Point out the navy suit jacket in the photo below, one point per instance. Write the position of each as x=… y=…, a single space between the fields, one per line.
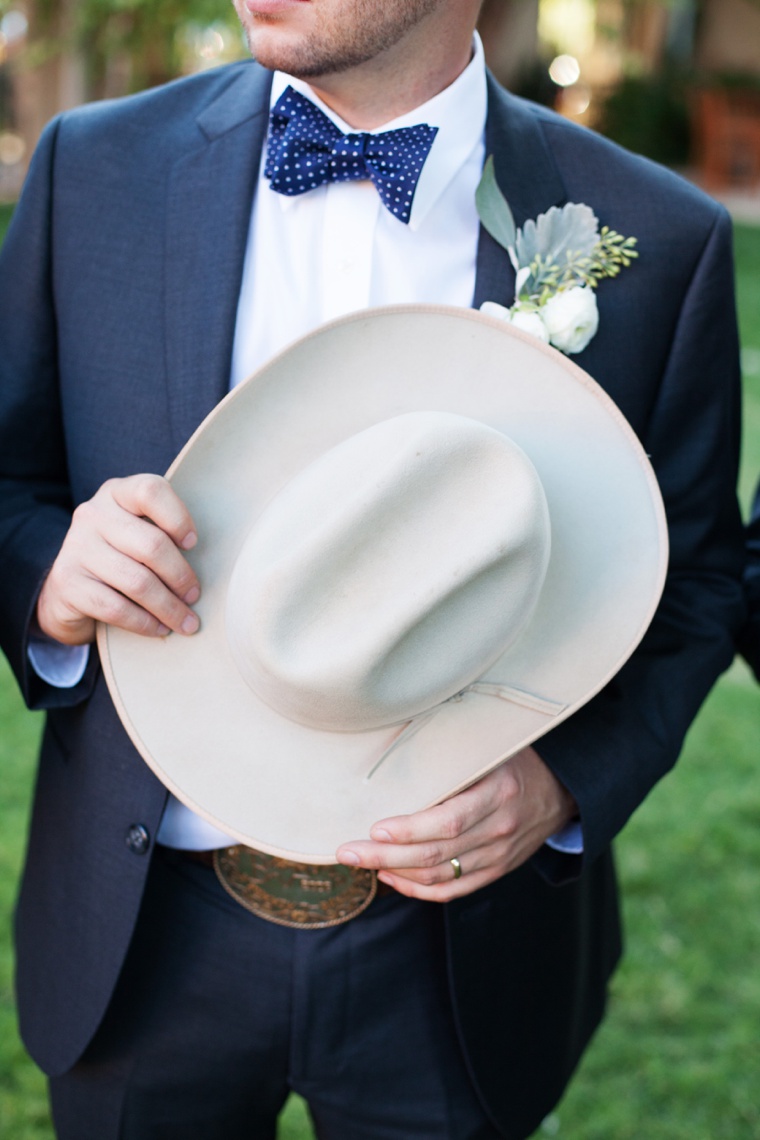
x=119 y=281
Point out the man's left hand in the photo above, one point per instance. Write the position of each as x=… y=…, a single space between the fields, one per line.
x=490 y=828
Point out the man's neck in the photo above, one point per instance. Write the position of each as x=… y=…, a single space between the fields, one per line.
x=364 y=107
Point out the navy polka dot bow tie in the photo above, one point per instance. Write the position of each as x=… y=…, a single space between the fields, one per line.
x=306 y=149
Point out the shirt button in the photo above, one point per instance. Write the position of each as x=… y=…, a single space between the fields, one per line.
x=137 y=838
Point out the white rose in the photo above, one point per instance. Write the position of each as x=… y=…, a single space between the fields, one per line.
x=530 y=323
x=572 y=318
x=526 y=321
x=493 y=309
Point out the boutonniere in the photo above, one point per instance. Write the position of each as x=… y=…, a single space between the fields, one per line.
x=559 y=260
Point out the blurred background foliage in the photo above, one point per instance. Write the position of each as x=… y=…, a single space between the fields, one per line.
x=145 y=41
x=627 y=67
x=650 y=115
x=634 y=69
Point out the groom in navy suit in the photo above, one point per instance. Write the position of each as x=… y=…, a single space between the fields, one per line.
x=149 y=266
x=749 y=641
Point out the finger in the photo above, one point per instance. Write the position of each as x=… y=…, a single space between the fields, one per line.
x=122 y=562
x=153 y=497
x=422 y=856
x=132 y=582
x=113 y=608
x=448 y=820
x=92 y=581
x=444 y=891
x=108 y=527
x=391 y=856
x=423 y=876
x=493 y=855
x=110 y=588
x=147 y=548
x=69 y=615
x=143 y=517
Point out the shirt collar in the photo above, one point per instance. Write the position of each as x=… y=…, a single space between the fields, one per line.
x=459 y=112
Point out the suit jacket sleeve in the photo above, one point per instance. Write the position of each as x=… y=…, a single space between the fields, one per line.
x=35 y=506
x=612 y=751
x=749 y=642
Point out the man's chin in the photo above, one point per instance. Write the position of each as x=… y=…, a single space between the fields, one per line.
x=269 y=49
x=291 y=56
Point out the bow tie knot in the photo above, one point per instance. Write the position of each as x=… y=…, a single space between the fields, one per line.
x=353 y=145
x=306 y=150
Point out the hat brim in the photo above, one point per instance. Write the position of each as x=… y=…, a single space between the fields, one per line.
x=298 y=792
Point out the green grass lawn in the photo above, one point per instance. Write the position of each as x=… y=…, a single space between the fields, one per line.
x=679 y=1055
x=5 y=217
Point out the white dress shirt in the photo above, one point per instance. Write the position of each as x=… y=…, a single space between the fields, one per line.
x=331 y=251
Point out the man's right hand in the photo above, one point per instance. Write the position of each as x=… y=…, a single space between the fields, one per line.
x=122 y=563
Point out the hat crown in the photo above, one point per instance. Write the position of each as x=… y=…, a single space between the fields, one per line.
x=389 y=573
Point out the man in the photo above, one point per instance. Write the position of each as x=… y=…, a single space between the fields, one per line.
x=121 y=279
x=749 y=641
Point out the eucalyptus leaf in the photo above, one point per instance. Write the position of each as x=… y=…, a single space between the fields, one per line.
x=570 y=229
x=493 y=208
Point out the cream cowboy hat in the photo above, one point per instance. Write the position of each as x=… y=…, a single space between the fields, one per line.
x=426 y=539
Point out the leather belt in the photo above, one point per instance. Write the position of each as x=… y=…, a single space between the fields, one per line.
x=305 y=896
x=205 y=858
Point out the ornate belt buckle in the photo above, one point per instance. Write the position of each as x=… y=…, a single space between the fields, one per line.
x=306 y=896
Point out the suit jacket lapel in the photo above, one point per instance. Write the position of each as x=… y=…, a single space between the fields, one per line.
x=528 y=178
x=209 y=208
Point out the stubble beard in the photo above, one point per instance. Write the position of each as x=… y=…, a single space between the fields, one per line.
x=339 y=45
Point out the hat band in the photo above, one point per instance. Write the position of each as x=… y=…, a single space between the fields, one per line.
x=508 y=693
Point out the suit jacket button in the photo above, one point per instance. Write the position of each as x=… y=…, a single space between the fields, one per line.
x=137 y=838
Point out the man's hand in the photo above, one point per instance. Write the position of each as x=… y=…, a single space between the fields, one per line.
x=491 y=828
x=122 y=563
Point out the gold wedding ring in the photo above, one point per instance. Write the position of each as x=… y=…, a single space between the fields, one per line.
x=457 y=867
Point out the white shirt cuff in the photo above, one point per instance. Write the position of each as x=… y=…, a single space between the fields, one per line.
x=182 y=828
x=62 y=666
x=569 y=840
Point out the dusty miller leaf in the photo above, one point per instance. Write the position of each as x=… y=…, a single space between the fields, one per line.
x=571 y=229
x=493 y=208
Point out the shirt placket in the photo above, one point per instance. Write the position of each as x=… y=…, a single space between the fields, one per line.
x=348 y=234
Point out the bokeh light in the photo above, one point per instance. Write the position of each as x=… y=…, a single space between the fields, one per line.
x=565 y=70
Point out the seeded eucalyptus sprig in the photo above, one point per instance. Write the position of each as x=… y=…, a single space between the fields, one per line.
x=613 y=253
